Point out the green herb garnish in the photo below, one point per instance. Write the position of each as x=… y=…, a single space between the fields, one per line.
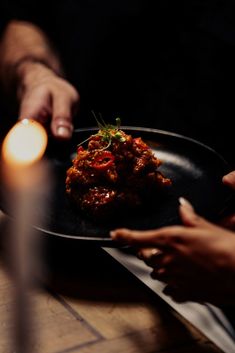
x=107 y=132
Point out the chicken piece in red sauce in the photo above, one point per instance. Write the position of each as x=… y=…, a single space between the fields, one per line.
x=115 y=172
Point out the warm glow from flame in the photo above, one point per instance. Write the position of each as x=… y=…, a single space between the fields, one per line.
x=25 y=143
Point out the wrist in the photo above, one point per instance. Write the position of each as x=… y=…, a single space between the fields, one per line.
x=29 y=71
x=23 y=64
x=20 y=72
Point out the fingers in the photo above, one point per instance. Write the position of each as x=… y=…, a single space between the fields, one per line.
x=229 y=179
x=160 y=238
x=148 y=253
x=63 y=110
x=188 y=216
x=151 y=256
x=35 y=105
x=61 y=123
x=166 y=237
x=163 y=265
x=228 y=222
x=167 y=276
x=50 y=99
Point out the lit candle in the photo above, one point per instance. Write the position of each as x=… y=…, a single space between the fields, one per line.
x=23 y=146
x=26 y=180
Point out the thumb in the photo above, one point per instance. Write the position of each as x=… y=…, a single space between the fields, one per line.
x=229 y=179
x=228 y=222
x=61 y=124
x=188 y=216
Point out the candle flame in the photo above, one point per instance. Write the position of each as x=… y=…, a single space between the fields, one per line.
x=25 y=143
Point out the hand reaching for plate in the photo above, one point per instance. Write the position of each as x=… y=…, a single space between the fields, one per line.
x=46 y=97
x=229 y=221
x=195 y=260
x=229 y=179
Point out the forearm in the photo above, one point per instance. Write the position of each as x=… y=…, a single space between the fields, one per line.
x=30 y=71
x=23 y=45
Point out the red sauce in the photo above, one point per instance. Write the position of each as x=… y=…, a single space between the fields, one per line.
x=110 y=175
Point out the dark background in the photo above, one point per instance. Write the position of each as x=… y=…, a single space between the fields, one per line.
x=163 y=64
x=167 y=65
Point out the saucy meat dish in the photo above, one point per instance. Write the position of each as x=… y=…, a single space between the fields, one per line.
x=114 y=173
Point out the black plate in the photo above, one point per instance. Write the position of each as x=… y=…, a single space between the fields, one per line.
x=195 y=169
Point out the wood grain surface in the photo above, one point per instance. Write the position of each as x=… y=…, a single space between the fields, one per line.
x=88 y=303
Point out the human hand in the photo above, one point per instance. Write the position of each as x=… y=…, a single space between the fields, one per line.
x=229 y=221
x=47 y=98
x=229 y=179
x=196 y=260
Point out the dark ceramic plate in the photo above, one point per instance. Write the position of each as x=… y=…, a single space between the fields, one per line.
x=195 y=169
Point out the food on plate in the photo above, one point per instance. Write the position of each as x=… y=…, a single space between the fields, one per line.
x=116 y=172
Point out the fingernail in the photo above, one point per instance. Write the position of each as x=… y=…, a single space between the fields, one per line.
x=154 y=252
x=63 y=131
x=185 y=203
x=112 y=234
x=229 y=177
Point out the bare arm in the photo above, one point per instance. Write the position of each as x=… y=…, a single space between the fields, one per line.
x=30 y=67
x=24 y=42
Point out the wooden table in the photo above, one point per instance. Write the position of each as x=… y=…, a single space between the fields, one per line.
x=88 y=303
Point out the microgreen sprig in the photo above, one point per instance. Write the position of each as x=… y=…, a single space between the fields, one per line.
x=107 y=132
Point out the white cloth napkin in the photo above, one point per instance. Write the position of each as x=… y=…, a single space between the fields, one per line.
x=208 y=319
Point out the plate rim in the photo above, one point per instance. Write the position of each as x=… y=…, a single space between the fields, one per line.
x=105 y=241
x=161 y=132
